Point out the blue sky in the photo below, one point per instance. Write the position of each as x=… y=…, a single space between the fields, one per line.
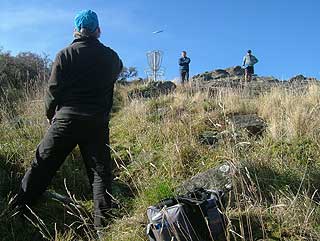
x=283 y=34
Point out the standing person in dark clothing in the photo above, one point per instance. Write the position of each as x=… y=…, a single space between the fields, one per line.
x=184 y=62
x=78 y=101
x=249 y=60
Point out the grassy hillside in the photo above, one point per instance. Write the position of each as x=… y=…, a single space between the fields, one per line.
x=155 y=145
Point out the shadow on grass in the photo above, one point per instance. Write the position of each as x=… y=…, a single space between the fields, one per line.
x=271 y=180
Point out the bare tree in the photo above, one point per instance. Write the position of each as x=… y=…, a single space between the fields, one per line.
x=128 y=73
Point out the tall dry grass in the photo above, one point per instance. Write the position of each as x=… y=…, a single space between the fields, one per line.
x=276 y=175
x=155 y=145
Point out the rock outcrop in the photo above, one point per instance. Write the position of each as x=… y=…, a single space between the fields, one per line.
x=300 y=79
x=214 y=178
x=232 y=74
x=235 y=71
x=153 y=89
x=251 y=123
x=233 y=77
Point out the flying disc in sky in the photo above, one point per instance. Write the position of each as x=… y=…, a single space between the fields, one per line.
x=158 y=31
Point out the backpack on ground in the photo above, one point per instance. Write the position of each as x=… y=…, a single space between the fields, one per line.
x=195 y=216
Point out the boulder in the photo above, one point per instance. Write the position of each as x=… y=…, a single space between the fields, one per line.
x=267 y=79
x=235 y=71
x=220 y=73
x=214 y=178
x=252 y=123
x=164 y=87
x=206 y=76
x=153 y=89
x=298 y=78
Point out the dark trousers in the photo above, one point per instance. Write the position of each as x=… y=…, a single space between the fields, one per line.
x=92 y=136
x=184 y=74
x=249 y=70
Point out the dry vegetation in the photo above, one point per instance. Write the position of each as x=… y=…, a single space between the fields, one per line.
x=155 y=145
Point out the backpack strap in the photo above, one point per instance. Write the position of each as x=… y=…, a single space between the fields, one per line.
x=168 y=202
x=150 y=232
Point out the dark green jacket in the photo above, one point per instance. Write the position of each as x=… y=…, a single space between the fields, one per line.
x=82 y=80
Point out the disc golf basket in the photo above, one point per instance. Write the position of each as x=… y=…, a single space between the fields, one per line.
x=154 y=72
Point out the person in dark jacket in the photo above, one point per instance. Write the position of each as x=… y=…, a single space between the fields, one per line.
x=184 y=62
x=78 y=101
